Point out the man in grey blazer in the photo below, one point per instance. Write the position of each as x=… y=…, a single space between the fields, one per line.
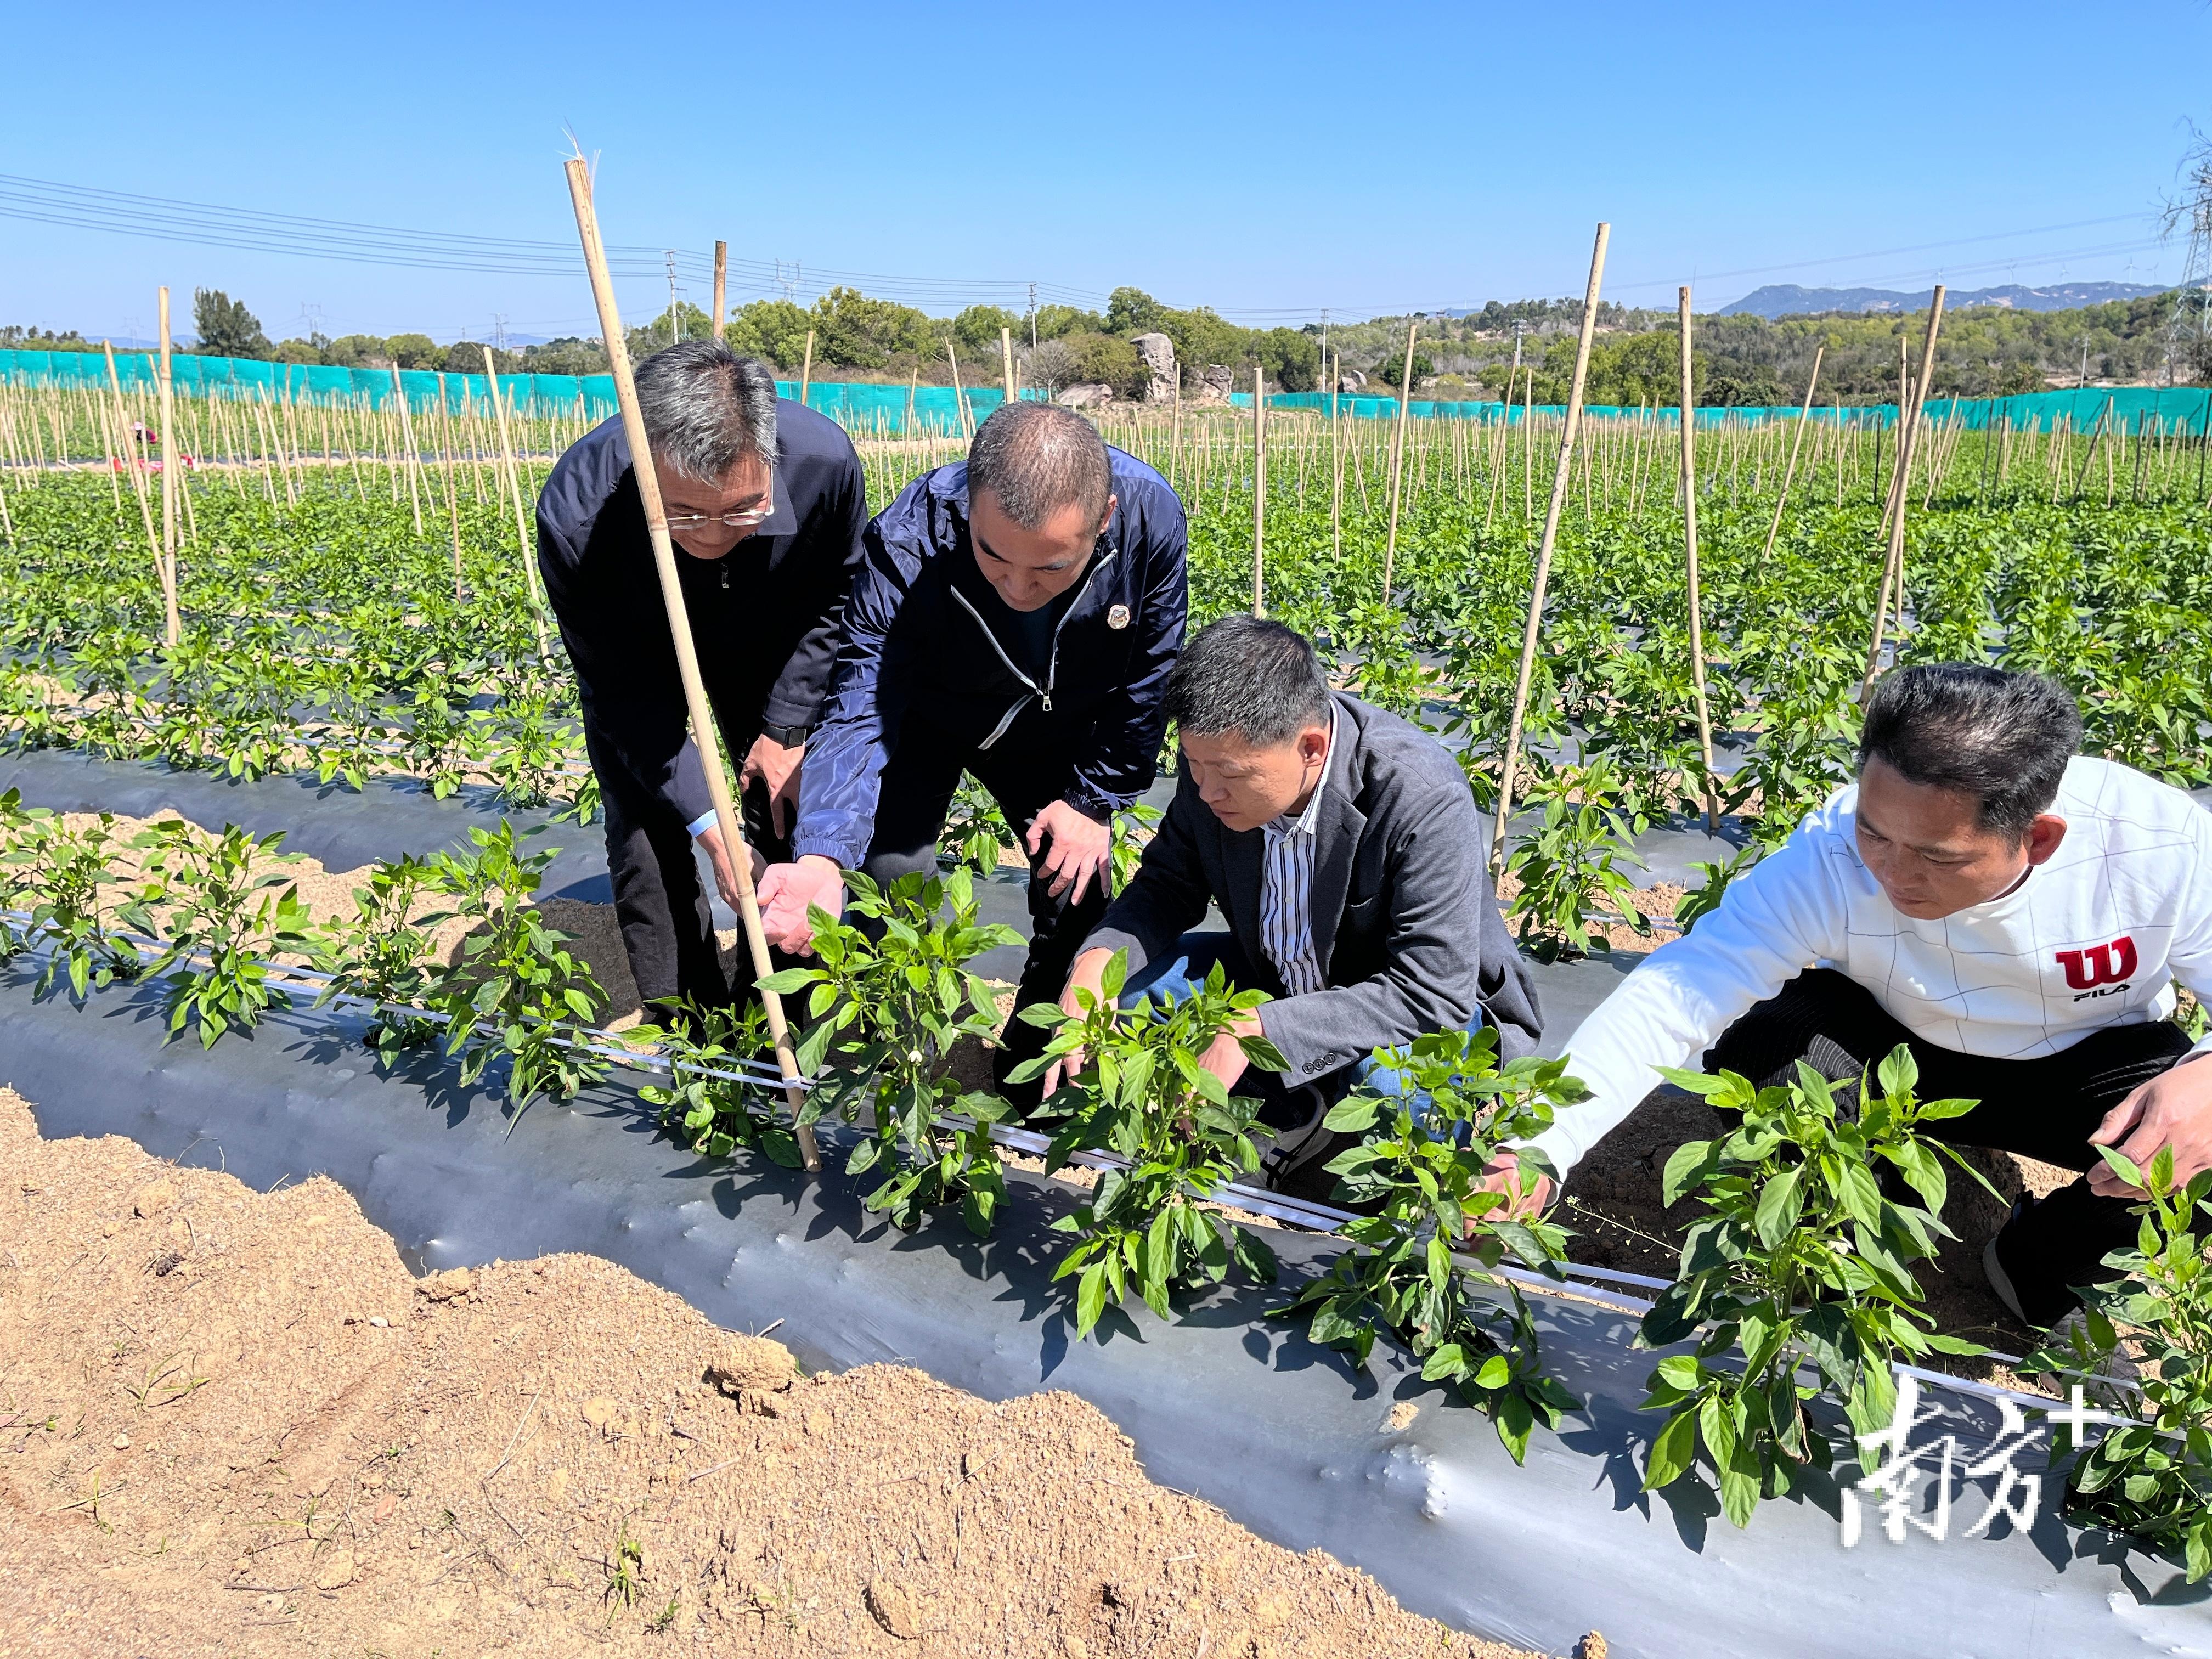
x=1342 y=845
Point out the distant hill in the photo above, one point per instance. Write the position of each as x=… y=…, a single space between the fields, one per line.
x=1788 y=299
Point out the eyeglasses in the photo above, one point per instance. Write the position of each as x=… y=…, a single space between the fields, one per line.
x=752 y=515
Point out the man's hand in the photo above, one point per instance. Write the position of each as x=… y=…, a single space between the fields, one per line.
x=1503 y=1174
x=725 y=877
x=1089 y=974
x=2174 y=1109
x=1225 y=1055
x=1080 y=848
x=788 y=890
x=773 y=764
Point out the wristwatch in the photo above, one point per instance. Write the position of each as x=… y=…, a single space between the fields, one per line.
x=791 y=737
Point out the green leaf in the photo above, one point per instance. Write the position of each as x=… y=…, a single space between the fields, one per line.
x=1353 y=1115
x=1497 y=1371
x=1684 y=1164
x=1089 y=1298
x=1448 y=1361
x=1671 y=1451
x=1255 y=1256
x=1679 y=1371
x=1780 y=1203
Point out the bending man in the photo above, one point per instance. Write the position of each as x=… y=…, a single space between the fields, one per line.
x=1344 y=848
x=765 y=502
x=1016 y=619
x=2013 y=912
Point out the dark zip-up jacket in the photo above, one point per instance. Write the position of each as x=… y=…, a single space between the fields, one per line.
x=764 y=617
x=1405 y=927
x=916 y=648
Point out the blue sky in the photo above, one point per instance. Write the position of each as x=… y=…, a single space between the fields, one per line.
x=1269 y=160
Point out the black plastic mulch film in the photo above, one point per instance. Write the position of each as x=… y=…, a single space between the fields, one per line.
x=1288 y=1438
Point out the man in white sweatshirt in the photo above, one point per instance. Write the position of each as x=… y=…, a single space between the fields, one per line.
x=2015 y=913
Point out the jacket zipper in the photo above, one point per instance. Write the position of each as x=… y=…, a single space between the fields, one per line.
x=1052 y=663
x=1007 y=718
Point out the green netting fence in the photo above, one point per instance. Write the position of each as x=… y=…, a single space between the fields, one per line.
x=870 y=408
x=2175 y=410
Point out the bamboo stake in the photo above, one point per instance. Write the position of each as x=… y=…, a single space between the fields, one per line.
x=1796 y=438
x=1258 y=487
x=806 y=368
x=1689 y=424
x=1569 y=429
x=107 y=442
x=1528 y=448
x=514 y=491
x=138 y=482
x=1007 y=360
x=721 y=288
x=959 y=397
x=407 y=435
x=1893 y=564
x=172 y=623
x=687 y=656
x=452 y=487
x=1398 y=459
x=1335 y=466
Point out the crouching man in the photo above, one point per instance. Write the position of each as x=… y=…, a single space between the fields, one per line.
x=2012 y=912
x=1344 y=849
x=1015 y=618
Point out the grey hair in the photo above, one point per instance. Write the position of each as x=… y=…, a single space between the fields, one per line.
x=2002 y=738
x=1034 y=459
x=1257 y=679
x=704 y=406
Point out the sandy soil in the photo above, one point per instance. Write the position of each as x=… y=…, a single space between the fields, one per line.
x=230 y=1423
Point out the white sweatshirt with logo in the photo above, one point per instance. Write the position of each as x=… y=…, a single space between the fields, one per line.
x=2093 y=937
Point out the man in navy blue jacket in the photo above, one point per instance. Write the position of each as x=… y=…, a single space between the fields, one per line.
x=766 y=501
x=1014 y=616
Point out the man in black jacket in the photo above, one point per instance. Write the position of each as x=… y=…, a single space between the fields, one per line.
x=1343 y=846
x=765 y=501
x=1016 y=617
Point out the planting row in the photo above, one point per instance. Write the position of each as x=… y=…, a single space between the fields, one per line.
x=1796 y=1284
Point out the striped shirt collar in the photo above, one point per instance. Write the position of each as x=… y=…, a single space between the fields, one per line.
x=1303 y=824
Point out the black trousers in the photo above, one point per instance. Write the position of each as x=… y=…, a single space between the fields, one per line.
x=920 y=779
x=2045 y=1109
x=667 y=927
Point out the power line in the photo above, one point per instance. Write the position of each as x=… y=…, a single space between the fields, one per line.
x=209 y=224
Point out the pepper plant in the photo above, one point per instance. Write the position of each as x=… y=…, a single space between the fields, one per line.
x=1572 y=859
x=1142 y=1094
x=1434 y=1114
x=705 y=1108
x=891 y=996
x=514 y=989
x=221 y=917
x=382 y=953
x=2151 y=1474
x=1800 y=1259
x=1704 y=899
x=54 y=874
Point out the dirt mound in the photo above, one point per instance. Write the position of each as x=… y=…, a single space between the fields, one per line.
x=231 y=1422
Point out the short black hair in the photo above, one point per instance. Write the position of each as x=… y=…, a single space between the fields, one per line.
x=1258 y=679
x=1036 y=459
x=2002 y=737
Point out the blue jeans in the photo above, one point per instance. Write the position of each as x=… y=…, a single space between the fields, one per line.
x=1167 y=981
